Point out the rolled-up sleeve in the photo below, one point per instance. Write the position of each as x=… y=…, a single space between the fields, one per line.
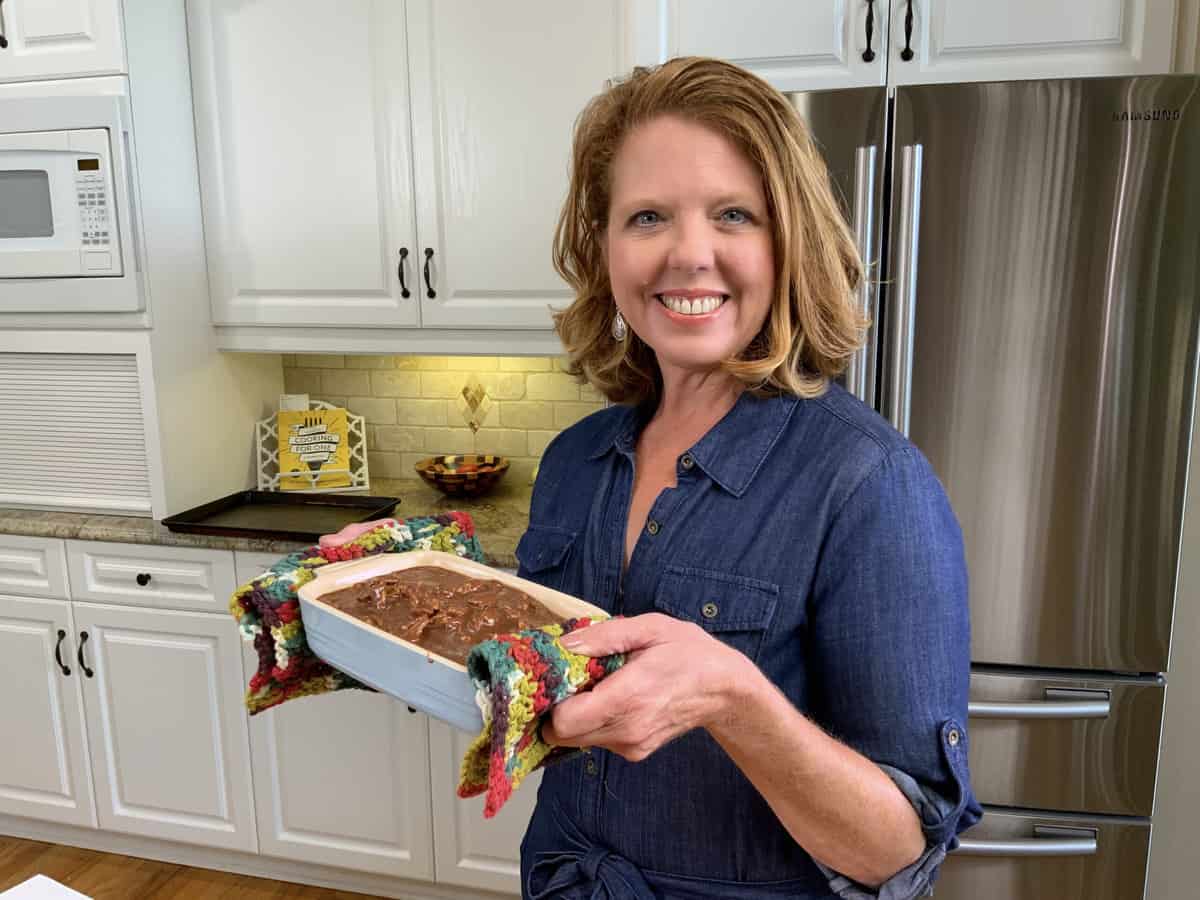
x=889 y=637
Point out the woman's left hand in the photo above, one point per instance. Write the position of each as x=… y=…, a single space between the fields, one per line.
x=676 y=677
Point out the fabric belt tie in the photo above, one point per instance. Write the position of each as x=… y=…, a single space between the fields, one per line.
x=593 y=872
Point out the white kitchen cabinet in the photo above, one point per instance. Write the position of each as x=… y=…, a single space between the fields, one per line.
x=43 y=755
x=194 y=578
x=364 y=131
x=983 y=40
x=63 y=39
x=795 y=46
x=473 y=851
x=166 y=729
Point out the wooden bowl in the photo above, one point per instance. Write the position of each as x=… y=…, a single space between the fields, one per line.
x=463 y=474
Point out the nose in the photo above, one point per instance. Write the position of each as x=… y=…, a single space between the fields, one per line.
x=692 y=246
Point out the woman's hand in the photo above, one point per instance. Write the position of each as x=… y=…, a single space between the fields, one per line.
x=351 y=531
x=676 y=677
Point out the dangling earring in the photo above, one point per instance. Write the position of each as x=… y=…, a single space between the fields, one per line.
x=619 y=329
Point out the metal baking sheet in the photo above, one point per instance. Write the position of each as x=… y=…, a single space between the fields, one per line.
x=280 y=515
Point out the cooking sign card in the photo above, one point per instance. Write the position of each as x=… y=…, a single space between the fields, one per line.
x=313 y=449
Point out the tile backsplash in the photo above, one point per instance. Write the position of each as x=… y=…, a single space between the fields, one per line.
x=419 y=406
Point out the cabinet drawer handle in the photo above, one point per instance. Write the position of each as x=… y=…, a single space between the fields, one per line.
x=404 y=291
x=83 y=636
x=66 y=670
x=429 y=291
x=906 y=54
x=143 y=578
x=869 y=54
x=3 y=39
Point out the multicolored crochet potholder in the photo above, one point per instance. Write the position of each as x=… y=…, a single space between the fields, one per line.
x=518 y=678
x=267 y=609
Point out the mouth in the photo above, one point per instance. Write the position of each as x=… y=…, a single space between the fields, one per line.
x=702 y=305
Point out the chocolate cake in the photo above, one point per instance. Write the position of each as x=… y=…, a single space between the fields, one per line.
x=440 y=611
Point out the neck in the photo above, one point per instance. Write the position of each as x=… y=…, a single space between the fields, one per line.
x=695 y=401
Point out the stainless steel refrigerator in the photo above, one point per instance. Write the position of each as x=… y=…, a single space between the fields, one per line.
x=1035 y=283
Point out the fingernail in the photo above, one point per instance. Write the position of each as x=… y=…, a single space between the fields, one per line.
x=571 y=641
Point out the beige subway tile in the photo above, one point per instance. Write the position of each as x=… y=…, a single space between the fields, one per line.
x=520 y=470
x=421 y=363
x=370 y=431
x=525 y=414
x=375 y=410
x=443 y=384
x=388 y=465
x=587 y=392
x=501 y=441
x=449 y=440
x=400 y=438
x=366 y=361
x=566 y=414
x=331 y=400
x=551 y=386
x=505 y=385
x=393 y=383
x=302 y=381
x=410 y=461
x=524 y=364
x=561 y=363
x=287 y=359
x=320 y=361
x=472 y=363
x=537 y=441
x=421 y=412
x=346 y=382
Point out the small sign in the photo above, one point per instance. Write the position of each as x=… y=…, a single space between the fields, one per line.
x=314 y=449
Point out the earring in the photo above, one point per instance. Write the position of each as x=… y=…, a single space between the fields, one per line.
x=619 y=329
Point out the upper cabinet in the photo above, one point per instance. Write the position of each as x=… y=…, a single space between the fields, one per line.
x=986 y=40
x=391 y=164
x=63 y=39
x=806 y=46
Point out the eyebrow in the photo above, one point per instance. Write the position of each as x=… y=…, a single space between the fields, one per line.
x=722 y=200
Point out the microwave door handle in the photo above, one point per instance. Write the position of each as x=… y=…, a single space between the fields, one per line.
x=1047 y=840
x=860 y=372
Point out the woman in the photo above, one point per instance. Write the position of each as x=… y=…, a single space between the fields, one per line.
x=790 y=720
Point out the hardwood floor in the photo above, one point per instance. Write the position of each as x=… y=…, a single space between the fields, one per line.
x=106 y=876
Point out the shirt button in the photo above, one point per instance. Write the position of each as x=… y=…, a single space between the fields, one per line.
x=710 y=610
x=952 y=737
x=686 y=461
x=590 y=766
x=652 y=527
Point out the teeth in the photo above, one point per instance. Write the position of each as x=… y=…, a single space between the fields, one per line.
x=697 y=306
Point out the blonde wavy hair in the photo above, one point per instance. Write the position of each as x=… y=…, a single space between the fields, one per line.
x=813 y=327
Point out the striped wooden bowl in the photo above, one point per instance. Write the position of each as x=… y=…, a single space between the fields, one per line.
x=463 y=474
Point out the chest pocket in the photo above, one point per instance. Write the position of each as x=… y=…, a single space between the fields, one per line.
x=543 y=554
x=733 y=608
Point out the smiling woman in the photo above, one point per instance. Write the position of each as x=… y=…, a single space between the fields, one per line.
x=787 y=573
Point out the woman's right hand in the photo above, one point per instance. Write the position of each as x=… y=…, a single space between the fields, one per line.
x=351 y=531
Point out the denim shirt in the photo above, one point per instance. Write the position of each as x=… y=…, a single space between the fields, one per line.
x=815 y=539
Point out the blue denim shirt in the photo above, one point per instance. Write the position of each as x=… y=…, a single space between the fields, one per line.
x=815 y=539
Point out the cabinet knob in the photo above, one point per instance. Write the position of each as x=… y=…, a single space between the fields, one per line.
x=143 y=578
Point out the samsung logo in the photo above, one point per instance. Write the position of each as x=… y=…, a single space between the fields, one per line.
x=1147 y=115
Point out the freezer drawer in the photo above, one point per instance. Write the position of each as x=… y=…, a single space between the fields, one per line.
x=1079 y=744
x=1029 y=856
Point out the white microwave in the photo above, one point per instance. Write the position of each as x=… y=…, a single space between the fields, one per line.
x=69 y=239
x=57 y=209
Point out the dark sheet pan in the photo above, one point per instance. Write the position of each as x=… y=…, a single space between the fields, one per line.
x=280 y=515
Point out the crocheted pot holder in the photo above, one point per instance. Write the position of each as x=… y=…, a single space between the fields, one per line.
x=267 y=609
x=518 y=678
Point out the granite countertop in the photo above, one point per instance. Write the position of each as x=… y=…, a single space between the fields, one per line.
x=500 y=519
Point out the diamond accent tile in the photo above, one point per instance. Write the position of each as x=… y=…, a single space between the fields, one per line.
x=474 y=403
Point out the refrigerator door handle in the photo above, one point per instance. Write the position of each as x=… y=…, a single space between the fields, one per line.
x=1047 y=840
x=1060 y=703
x=860 y=373
x=905 y=307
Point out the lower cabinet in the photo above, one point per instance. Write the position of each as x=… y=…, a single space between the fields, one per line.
x=44 y=770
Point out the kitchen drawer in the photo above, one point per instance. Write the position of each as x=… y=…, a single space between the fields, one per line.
x=33 y=567
x=1028 y=856
x=1076 y=744
x=248 y=566
x=142 y=575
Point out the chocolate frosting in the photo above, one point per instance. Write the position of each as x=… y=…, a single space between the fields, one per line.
x=444 y=612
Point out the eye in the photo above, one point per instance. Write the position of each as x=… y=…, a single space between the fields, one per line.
x=644 y=218
x=735 y=216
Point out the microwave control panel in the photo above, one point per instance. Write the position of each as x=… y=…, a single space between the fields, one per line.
x=91 y=194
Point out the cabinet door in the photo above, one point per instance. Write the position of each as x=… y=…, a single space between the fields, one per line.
x=166 y=725
x=473 y=851
x=982 y=40
x=302 y=128
x=64 y=39
x=343 y=779
x=816 y=45
x=495 y=90
x=43 y=756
